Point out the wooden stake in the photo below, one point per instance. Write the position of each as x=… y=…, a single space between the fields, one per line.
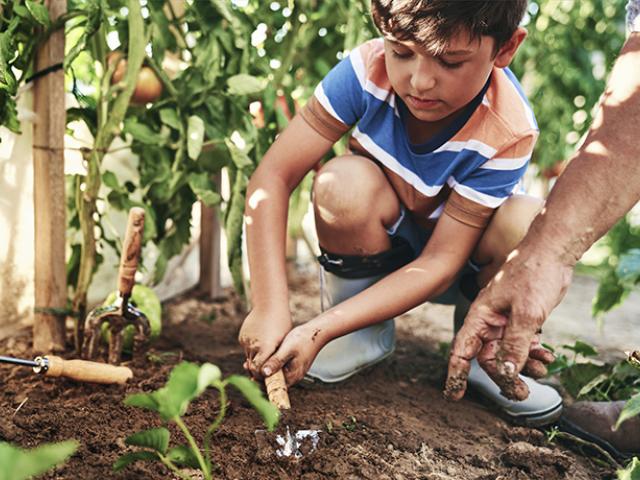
x=49 y=197
x=209 y=283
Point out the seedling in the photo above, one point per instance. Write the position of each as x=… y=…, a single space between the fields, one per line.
x=188 y=381
x=19 y=464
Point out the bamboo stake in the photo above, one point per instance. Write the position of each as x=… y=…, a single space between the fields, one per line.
x=209 y=282
x=49 y=198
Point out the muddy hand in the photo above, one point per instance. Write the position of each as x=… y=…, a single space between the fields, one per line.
x=260 y=335
x=295 y=355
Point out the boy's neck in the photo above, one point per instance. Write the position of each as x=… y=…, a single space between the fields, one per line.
x=420 y=132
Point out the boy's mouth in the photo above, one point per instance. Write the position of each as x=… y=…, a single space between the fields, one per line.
x=423 y=103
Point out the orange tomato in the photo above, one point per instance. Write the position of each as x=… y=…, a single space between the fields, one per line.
x=148 y=85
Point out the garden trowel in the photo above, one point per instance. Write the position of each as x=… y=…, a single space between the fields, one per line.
x=121 y=313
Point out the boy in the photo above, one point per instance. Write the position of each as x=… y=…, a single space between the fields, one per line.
x=442 y=137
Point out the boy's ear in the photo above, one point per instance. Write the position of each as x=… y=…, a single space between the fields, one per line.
x=508 y=50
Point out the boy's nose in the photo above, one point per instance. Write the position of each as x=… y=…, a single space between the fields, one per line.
x=423 y=77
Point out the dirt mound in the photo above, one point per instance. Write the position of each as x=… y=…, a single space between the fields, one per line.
x=388 y=422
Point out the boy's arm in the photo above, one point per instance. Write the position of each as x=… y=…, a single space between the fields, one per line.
x=291 y=156
x=429 y=275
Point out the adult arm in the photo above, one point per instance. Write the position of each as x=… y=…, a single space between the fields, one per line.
x=601 y=183
x=284 y=165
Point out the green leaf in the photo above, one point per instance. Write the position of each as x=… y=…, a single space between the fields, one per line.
x=128 y=458
x=243 y=84
x=155 y=438
x=628 y=270
x=630 y=410
x=180 y=389
x=19 y=464
x=597 y=381
x=582 y=348
x=610 y=294
x=267 y=410
x=142 y=400
x=575 y=377
x=170 y=117
x=631 y=472
x=202 y=185
x=195 y=136
x=142 y=133
x=39 y=12
x=182 y=455
x=111 y=181
x=239 y=157
x=209 y=374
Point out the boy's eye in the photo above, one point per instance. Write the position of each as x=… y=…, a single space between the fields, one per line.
x=446 y=64
x=398 y=54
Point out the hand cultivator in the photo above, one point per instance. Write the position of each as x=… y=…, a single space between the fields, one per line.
x=80 y=370
x=121 y=313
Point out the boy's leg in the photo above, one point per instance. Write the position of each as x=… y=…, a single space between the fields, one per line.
x=354 y=205
x=507 y=227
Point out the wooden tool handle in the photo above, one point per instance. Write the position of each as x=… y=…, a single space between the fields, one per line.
x=131 y=251
x=277 y=390
x=85 y=371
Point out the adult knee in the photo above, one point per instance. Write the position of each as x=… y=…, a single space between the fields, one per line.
x=352 y=191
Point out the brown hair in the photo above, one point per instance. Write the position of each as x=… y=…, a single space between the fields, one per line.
x=432 y=23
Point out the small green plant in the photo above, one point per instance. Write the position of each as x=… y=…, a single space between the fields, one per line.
x=631 y=472
x=19 y=464
x=586 y=378
x=188 y=381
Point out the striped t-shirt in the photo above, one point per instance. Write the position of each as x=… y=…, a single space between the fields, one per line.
x=465 y=171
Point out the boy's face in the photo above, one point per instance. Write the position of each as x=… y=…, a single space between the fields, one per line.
x=434 y=88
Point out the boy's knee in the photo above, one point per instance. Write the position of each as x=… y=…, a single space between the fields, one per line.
x=352 y=189
x=514 y=216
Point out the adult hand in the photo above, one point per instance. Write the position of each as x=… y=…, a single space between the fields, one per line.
x=296 y=353
x=503 y=323
x=260 y=334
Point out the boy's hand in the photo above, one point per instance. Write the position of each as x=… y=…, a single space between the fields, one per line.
x=260 y=335
x=296 y=354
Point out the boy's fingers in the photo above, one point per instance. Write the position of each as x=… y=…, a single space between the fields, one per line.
x=276 y=362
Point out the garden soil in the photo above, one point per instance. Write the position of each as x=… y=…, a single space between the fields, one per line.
x=388 y=422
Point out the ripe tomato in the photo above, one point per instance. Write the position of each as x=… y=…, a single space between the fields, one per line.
x=148 y=85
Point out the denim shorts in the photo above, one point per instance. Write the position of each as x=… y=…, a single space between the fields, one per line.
x=418 y=237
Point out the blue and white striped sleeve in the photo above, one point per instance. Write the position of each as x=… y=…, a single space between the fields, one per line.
x=338 y=101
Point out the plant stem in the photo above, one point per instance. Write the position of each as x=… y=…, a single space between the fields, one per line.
x=194 y=447
x=216 y=423
x=171 y=466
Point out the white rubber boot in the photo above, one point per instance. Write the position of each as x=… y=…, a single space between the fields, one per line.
x=344 y=356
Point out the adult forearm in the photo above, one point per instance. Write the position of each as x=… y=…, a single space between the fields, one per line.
x=266 y=219
x=602 y=181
